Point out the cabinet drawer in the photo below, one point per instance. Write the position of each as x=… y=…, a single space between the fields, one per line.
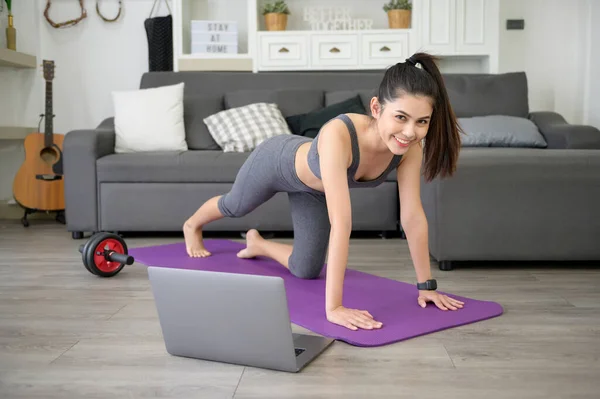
x=283 y=50
x=334 y=50
x=384 y=49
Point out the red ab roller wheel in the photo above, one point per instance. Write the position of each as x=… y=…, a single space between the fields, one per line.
x=105 y=254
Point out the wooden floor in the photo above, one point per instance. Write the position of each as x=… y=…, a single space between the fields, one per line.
x=67 y=334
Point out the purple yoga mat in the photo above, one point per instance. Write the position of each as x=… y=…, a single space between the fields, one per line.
x=392 y=302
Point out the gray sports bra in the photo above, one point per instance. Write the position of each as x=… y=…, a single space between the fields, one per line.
x=313 y=159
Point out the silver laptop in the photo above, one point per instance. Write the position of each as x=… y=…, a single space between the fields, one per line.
x=231 y=318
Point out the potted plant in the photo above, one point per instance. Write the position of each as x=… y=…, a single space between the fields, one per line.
x=399 y=13
x=11 y=32
x=276 y=15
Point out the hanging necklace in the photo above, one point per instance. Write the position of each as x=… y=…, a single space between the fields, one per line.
x=68 y=23
x=103 y=17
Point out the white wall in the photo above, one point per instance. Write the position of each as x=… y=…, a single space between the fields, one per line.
x=94 y=58
x=551 y=50
x=592 y=94
x=20 y=100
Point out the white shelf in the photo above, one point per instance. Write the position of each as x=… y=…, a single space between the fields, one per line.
x=15 y=132
x=16 y=59
x=241 y=11
x=201 y=56
x=332 y=32
x=224 y=62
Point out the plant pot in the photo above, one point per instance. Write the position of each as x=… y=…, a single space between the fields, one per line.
x=399 y=19
x=11 y=35
x=276 y=21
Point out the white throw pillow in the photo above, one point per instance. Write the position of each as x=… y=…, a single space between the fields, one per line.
x=149 y=119
x=241 y=129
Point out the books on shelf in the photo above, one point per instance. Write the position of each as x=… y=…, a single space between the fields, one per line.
x=214 y=37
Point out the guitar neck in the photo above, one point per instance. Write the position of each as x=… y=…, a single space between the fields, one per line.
x=49 y=130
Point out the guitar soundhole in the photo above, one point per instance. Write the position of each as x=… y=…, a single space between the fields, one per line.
x=49 y=155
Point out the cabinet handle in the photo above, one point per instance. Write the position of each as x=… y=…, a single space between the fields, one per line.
x=284 y=50
x=334 y=50
x=385 y=48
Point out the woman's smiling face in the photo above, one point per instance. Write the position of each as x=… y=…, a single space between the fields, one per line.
x=402 y=122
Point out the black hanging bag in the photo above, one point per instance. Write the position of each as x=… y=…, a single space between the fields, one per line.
x=159 y=31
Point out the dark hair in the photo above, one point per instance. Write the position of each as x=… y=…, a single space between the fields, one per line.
x=442 y=144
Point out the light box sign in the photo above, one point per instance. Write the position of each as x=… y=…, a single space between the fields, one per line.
x=214 y=37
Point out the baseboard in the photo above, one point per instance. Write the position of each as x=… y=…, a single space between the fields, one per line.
x=12 y=211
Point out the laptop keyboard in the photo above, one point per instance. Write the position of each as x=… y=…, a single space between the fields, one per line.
x=299 y=351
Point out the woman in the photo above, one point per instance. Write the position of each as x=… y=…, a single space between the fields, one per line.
x=351 y=150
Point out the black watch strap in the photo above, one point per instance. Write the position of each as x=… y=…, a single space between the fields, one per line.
x=429 y=285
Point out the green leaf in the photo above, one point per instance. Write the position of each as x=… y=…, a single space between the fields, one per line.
x=278 y=6
x=397 y=5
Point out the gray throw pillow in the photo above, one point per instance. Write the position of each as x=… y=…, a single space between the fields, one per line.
x=500 y=131
x=195 y=109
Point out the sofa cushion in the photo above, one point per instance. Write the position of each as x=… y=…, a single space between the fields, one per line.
x=290 y=102
x=310 y=123
x=194 y=166
x=480 y=95
x=242 y=129
x=500 y=131
x=195 y=109
x=199 y=166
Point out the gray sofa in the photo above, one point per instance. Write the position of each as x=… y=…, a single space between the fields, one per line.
x=503 y=203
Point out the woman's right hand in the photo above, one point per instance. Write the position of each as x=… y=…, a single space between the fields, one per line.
x=353 y=319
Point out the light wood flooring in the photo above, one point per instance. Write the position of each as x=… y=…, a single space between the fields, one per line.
x=67 y=334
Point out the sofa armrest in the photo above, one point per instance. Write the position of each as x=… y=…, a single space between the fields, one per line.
x=81 y=149
x=563 y=135
x=516 y=204
x=107 y=124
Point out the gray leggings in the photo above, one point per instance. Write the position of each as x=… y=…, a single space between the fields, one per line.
x=268 y=170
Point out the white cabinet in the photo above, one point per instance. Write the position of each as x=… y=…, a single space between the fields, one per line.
x=328 y=50
x=381 y=50
x=477 y=25
x=285 y=51
x=460 y=27
x=438 y=26
x=334 y=50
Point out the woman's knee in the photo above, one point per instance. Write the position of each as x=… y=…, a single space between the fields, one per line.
x=229 y=207
x=307 y=269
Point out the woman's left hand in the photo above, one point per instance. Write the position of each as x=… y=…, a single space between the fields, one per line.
x=443 y=302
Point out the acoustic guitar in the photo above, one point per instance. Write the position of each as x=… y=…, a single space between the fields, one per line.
x=38 y=184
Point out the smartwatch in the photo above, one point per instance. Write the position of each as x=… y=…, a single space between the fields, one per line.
x=429 y=285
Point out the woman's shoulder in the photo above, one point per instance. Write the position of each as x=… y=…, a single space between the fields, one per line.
x=333 y=136
x=334 y=126
x=345 y=127
x=359 y=121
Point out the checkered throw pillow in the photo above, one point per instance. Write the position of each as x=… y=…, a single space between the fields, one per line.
x=241 y=129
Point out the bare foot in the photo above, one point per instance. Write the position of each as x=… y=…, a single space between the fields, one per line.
x=253 y=239
x=193 y=242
